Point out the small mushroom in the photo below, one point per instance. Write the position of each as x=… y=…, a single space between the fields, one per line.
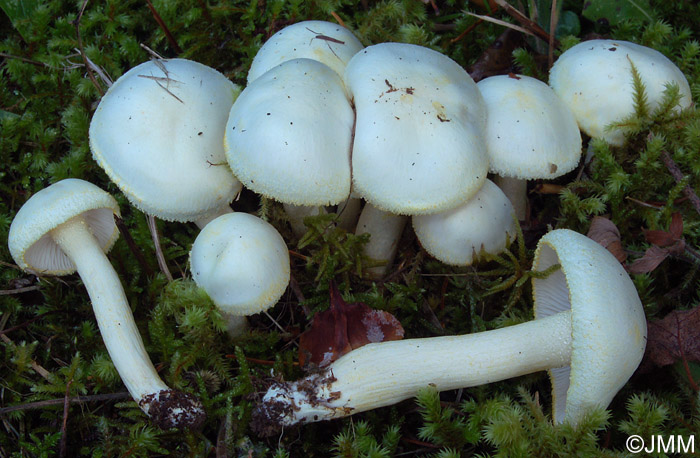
x=460 y=236
x=589 y=332
x=594 y=78
x=530 y=134
x=242 y=263
x=69 y=226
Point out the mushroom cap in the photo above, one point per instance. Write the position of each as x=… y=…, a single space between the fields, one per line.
x=418 y=145
x=485 y=223
x=328 y=43
x=608 y=324
x=242 y=262
x=30 y=241
x=159 y=138
x=594 y=78
x=289 y=135
x=530 y=132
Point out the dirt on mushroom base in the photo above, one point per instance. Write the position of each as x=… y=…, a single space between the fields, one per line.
x=267 y=418
x=174 y=409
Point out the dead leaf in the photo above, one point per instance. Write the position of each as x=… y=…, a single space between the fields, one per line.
x=650 y=261
x=676 y=337
x=676 y=226
x=664 y=243
x=547 y=188
x=345 y=327
x=605 y=232
x=667 y=238
x=498 y=58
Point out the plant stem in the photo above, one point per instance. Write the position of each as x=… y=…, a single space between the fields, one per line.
x=677 y=175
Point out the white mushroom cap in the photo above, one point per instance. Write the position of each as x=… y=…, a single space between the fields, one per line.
x=458 y=236
x=29 y=240
x=418 y=137
x=594 y=78
x=242 y=263
x=608 y=337
x=289 y=135
x=530 y=132
x=159 y=138
x=328 y=43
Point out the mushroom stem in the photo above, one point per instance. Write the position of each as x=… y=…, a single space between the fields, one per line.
x=297 y=213
x=168 y=408
x=385 y=373
x=348 y=212
x=385 y=231
x=516 y=190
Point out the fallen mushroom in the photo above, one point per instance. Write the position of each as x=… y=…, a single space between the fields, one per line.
x=242 y=263
x=69 y=226
x=594 y=78
x=589 y=332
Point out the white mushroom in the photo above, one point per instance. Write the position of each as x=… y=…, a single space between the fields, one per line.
x=242 y=263
x=418 y=144
x=67 y=227
x=530 y=134
x=589 y=332
x=158 y=133
x=289 y=135
x=594 y=78
x=328 y=43
x=461 y=235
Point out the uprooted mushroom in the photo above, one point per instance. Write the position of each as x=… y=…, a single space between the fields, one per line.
x=589 y=332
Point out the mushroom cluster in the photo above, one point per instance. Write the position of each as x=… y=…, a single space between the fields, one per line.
x=325 y=122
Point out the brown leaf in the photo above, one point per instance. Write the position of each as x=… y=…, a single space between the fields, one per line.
x=498 y=58
x=676 y=337
x=345 y=327
x=605 y=232
x=660 y=238
x=676 y=226
x=670 y=237
x=650 y=261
